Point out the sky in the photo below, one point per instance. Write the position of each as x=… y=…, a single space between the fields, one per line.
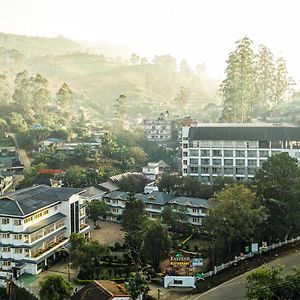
x=198 y=30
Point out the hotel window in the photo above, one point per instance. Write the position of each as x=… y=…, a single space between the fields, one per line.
x=194 y=152
x=5 y=249
x=204 y=170
x=185 y=154
x=216 y=170
x=18 y=250
x=17 y=222
x=205 y=152
x=240 y=162
x=29 y=219
x=252 y=153
x=184 y=162
x=193 y=161
x=205 y=161
x=217 y=153
x=216 y=161
x=228 y=162
x=228 y=171
x=5 y=235
x=228 y=153
x=5 y=221
x=6 y=263
x=263 y=153
x=194 y=169
x=185 y=171
x=18 y=236
x=38 y=215
x=240 y=171
x=240 y=153
x=252 y=162
x=45 y=212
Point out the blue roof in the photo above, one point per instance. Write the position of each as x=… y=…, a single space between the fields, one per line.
x=55 y=140
x=37 y=126
x=189 y=201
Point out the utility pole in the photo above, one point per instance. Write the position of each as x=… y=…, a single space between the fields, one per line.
x=158 y=294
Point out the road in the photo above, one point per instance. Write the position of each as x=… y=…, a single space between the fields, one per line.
x=22 y=153
x=234 y=289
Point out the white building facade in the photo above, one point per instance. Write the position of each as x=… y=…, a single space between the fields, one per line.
x=234 y=150
x=35 y=223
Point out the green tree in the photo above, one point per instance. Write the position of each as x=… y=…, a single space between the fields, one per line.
x=169 y=216
x=278 y=182
x=134 y=59
x=121 y=110
x=17 y=123
x=168 y=183
x=64 y=96
x=5 y=94
x=138 y=286
x=182 y=98
x=235 y=218
x=84 y=154
x=157 y=243
x=132 y=183
x=238 y=89
x=86 y=255
x=139 y=155
x=134 y=221
x=269 y=284
x=281 y=82
x=55 y=287
x=265 y=76
x=97 y=209
x=41 y=94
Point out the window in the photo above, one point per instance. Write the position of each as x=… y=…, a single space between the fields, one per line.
x=205 y=152
x=252 y=153
x=5 y=249
x=178 y=281
x=240 y=178
x=205 y=161
x=17 y=222
x=204 y=170
x=216 y=162
x=240 y=153
x=194 y=152
x=185 y=153
x=228 y=153
x=228 y=171
x=18 y=250
x=18 y=236
x=29 y=219
x=115 y=210
x=240 y=162
x=194 y=169
x=217 y=153
x=5 y=221
x=252 y=162
x=6 y=263
x=240 y=171
x=185 y=171
x=184 y=162
x=251 y=171
x=216 y=170
x=45 y=212
x=5 y=235
x=195 y=210
x=38 y=215
x=228 y=162
x=193 y=161
x=263 y=153
x=185 y=145
x=264 y=144
x=196 y=220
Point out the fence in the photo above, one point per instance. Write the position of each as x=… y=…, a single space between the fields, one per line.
x=244 y=256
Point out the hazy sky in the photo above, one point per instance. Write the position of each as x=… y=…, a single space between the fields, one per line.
x=199 y=30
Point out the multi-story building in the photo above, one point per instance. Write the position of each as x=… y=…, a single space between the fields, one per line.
x=234 y=150
x=161 y=130
x=194 y=208
x=35 y=223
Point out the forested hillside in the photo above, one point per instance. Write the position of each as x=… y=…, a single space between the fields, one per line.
x=98 y=80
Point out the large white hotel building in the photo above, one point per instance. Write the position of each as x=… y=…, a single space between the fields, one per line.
x=234 y=150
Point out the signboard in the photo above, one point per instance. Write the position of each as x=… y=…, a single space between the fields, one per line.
x=247 y=249
x=254 y=247
x=180 y=261
x=197 y=262
x=264 y=246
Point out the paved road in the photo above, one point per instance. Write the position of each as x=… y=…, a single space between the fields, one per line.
x=22 y=153
x=234 y=289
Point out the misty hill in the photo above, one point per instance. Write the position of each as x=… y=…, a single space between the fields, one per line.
x=98 y=80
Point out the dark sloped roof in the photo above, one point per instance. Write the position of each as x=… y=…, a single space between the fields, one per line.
x=195 y=202
x=25 y=201
x=245 y=133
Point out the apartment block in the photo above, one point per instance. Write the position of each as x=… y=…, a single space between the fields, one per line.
x=234 y=150
x=155 y=202
x=35 y=224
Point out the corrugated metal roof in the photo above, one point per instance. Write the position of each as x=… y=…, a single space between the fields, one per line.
x=246 y=133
